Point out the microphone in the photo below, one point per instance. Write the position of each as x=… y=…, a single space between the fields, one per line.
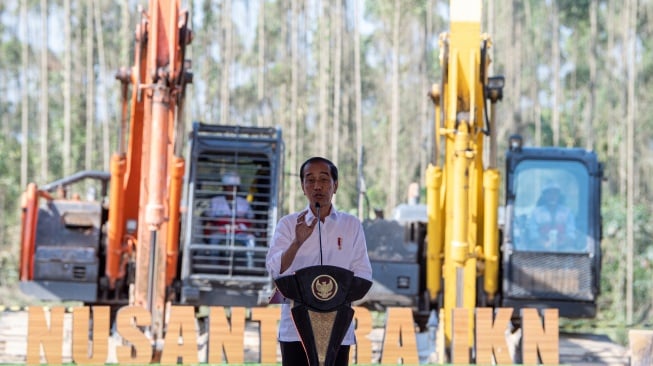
x=319 y=228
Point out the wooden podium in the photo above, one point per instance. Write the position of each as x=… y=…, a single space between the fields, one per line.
x=322 y=313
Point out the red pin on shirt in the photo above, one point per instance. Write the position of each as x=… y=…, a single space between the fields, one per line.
x=339 y=243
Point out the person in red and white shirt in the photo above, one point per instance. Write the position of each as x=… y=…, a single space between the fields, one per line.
x=231 y=210
x=230 y=216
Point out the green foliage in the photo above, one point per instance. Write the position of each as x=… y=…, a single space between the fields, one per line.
x=574 y=13
x=613 y=276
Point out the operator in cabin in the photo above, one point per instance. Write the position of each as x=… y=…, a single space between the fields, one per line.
x=230 y=204
x=551 y=225
x=230 y=217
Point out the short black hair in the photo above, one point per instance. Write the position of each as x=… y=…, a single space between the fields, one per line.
x=332 y=167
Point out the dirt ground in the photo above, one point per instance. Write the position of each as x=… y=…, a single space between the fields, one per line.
x=575 y=349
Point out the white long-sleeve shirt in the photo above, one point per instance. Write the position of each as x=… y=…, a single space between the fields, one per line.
x=343 y=245
x=220 y=207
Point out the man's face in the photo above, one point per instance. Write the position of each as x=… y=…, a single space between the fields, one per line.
x=552 y=197
x=230 y=190
x=318 y=184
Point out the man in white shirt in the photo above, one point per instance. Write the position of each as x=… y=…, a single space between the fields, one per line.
x=552 y=225
x=230 y=204
x=296 y=245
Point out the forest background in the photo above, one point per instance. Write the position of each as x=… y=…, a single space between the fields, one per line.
x=338 y=74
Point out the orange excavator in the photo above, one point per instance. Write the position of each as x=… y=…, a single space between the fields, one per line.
x=142 y=220
x=146 y=240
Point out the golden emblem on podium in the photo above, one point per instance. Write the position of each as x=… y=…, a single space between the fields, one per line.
x=321 y=310
x=324 y=287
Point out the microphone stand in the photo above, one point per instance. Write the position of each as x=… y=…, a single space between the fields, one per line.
x=319 y=228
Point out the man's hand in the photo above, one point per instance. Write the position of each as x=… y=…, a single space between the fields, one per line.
x=303 y=230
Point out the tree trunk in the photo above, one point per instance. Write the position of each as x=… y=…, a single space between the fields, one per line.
x=43 y=110
x=514 y=124
x=337 y=63
x=323 y=62
x=508 y=56
x=531 y=55
x=394 y=114
x=358 y=115
x=67 y=79
x=557 y=87
x=282 y=92
x=226 y=63
x=294 y=58
x=630 y=32
x=610 y=45
x=426 y=132
x=90 y=89
x=592 y=82
x=126 y=39
x=102 y=107
x=24 y=103
x=262 y=119
x=489 y=22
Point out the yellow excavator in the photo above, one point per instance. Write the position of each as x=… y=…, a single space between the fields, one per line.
x=463 y=194
x=457 y=250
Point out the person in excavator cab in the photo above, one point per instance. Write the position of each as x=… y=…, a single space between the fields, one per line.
x=230 y=217
x=551 y=225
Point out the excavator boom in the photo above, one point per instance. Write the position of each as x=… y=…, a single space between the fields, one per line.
x=457 y=196
x=158 y=80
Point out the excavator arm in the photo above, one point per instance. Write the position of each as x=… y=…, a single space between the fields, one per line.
x=147 y=172
x=462 y=192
